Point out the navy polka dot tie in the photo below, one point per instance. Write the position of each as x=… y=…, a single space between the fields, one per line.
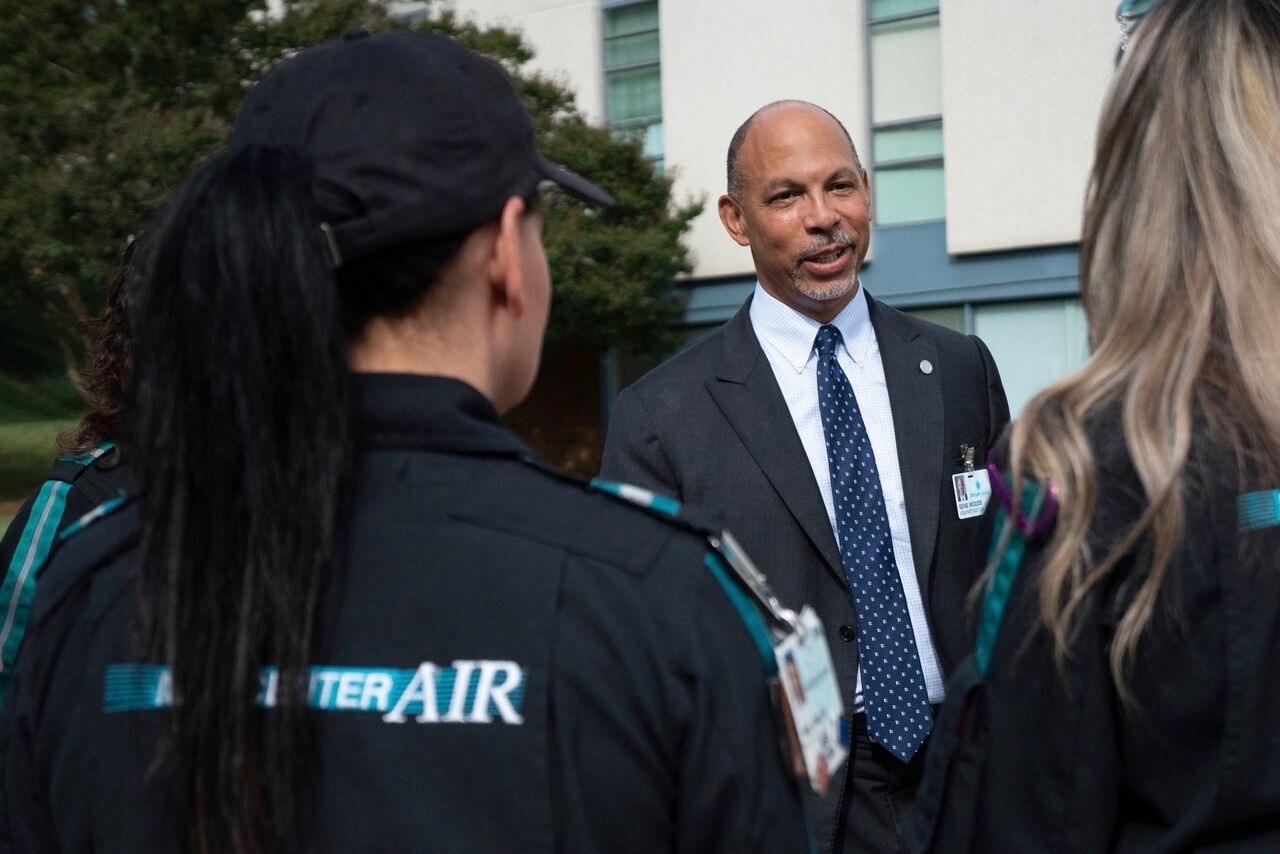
x=893 y=689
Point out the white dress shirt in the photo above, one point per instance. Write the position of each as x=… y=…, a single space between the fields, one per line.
x=787 y=338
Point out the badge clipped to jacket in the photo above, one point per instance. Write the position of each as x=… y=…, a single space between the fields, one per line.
x=972 y=488
x=809 y=695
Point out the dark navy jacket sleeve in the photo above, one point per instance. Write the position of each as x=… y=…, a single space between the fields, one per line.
x=700 y=712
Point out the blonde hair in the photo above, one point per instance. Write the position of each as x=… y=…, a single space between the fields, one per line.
x=1180 y=278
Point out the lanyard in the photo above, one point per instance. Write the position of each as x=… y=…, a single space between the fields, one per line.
x=1039 y=506
x=757 y=583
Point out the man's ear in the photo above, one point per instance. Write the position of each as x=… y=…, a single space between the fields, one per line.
x=506 y=267
x=731 y=218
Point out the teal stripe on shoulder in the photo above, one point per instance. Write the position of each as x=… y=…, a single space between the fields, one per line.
x=747 y=611
x=1258 y=510
x=85 y=459
x=108 y=506
x=19 y=585
x=638 y=496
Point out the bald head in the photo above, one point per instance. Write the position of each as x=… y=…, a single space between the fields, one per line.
x=736 y=180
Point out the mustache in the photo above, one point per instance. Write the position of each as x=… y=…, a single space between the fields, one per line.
x=836 y=239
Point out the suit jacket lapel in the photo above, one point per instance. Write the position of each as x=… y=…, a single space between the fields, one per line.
x=916 y=401
x=748 y=395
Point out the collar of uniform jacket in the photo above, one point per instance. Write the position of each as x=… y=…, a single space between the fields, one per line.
x=412 y=412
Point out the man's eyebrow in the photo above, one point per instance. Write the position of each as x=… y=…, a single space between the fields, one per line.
x=843 y=173
x=778 y=184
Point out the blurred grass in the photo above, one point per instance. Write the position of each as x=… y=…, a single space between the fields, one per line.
x=39 y=399
x=32 y=414
x=27 y=450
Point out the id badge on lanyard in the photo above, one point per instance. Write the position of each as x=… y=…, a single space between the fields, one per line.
x=972 y=488
x=809 y=695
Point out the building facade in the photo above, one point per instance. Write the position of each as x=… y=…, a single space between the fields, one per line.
x=974 y=118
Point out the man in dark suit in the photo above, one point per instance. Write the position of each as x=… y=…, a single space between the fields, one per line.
x=826 y=428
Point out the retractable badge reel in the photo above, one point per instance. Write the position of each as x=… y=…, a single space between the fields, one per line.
x=817 y=730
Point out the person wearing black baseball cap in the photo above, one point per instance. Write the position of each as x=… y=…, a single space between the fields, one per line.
x=348 y=610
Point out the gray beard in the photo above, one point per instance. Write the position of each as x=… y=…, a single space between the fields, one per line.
x=835 y=290
x=826 y=293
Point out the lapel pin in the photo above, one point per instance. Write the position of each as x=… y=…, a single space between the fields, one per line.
x=926 y=367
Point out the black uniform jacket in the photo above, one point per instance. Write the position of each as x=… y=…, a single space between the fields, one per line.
x=507 y=662
x=1055 y=761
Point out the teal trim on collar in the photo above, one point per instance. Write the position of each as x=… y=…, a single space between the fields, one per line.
x=85 y=459
x=636 y=495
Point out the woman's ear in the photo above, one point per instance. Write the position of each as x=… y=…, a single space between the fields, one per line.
x=506 y=261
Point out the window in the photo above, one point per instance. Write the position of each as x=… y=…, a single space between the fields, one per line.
x=633 y=79
x=906 y=111
x=1034 y=342
x=950 y=316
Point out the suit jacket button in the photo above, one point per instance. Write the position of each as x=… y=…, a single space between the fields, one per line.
x=847 y=634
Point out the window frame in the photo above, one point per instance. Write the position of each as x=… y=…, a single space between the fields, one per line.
x=877 y=166
x=638 y=125
x=899 y=17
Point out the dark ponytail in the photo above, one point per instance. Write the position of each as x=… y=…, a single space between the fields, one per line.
x=240 y=421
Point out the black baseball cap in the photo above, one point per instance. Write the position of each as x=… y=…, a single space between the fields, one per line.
x=410 y=135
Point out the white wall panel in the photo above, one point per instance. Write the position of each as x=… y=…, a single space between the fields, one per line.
x=722 y=60
x=565 y=36
x=1022 y=86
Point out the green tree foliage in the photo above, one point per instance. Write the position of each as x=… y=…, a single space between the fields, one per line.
x=106 y=105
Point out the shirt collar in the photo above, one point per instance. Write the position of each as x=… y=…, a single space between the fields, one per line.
x=793 y=333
